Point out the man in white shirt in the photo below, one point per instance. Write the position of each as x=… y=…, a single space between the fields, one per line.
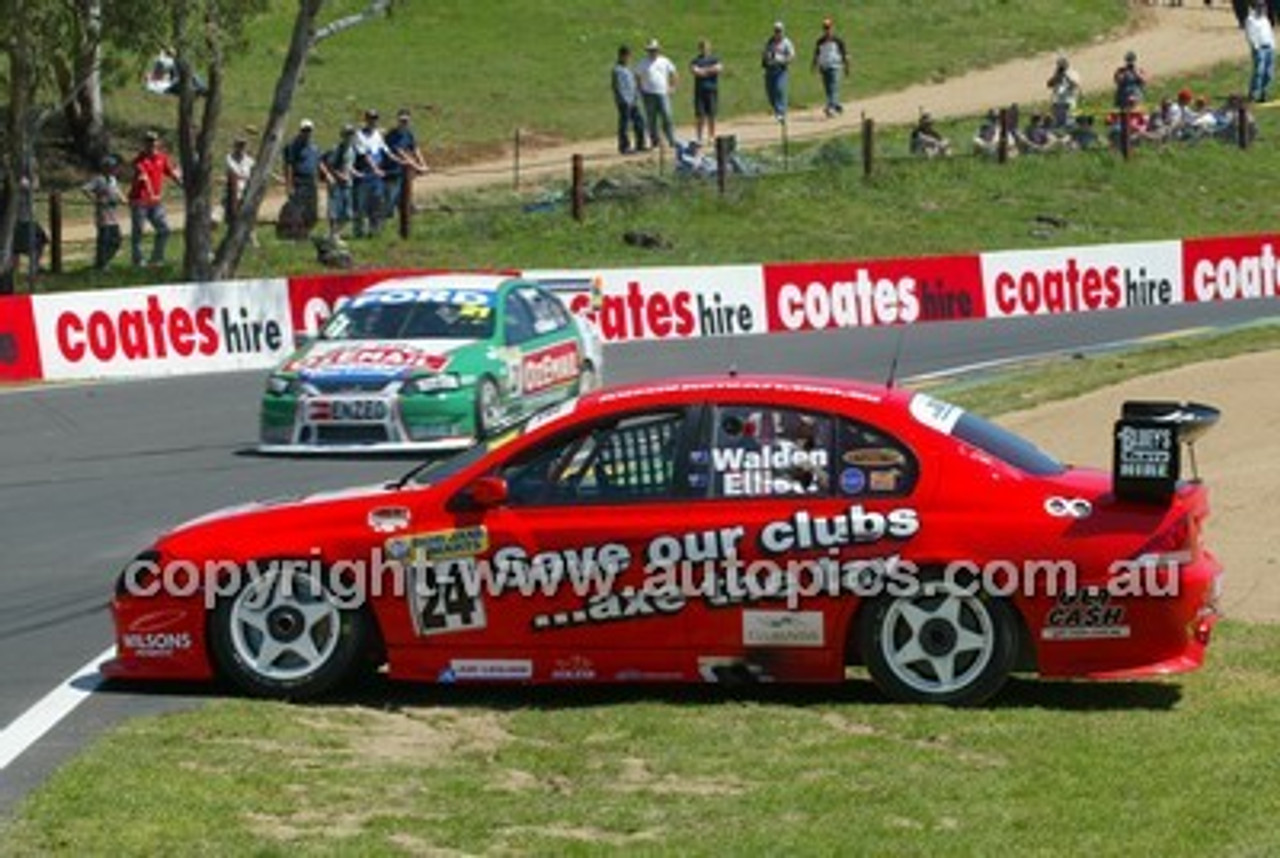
x=1262 y=44
x=657 y=76
x=776 y=58
x=1066 y=92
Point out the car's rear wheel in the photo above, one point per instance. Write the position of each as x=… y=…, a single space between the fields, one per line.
x=488 y=408
x=283 y=635
x=940 y=644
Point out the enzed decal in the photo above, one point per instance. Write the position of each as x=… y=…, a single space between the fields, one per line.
x=491 y=669
x=1085 y=615
x=782 y=628
x=389 y=519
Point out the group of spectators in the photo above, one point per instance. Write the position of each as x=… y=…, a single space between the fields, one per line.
x=1184 y=117
x=365 y=174
x=642 y=94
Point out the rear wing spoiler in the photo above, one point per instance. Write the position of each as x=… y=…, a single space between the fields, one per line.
x=1148 y=441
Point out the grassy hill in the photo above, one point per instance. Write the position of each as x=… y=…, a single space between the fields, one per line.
x=475 y=71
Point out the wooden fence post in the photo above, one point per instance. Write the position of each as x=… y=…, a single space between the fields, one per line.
x=579 y=194
x=55 y=232
x=868 y=145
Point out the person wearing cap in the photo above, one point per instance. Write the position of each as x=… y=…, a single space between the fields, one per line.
x=1130 y=82
x=370 y=189
x=1065 y=92
x=830 y=59
x=146 y=198
x=706 y=68
x=776 y=59
x=302 y=171
x=657 y=76
x=338 y=170
x=1262 y=48
x=626 y=98
x=239 y=167
x=104 y=191
x=403 y=155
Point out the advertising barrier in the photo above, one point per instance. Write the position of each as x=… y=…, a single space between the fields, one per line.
x=19 y=345
x=251 y=324
x=164 y=330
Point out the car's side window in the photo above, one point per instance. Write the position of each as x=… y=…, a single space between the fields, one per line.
x=519 y=321
x=548 y=314
x=871 y=463
x=760 y=451
x=633 y=458
x=753 y=451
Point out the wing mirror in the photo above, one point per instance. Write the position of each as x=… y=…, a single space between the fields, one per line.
x=488 y=492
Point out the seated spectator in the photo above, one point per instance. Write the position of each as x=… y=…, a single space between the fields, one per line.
x=1084 y=135
x=927 y=141
x=986 y=141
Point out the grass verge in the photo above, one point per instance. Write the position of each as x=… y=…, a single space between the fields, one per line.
x=1139 y=768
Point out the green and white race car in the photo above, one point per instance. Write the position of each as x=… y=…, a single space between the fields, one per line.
x=429 y=363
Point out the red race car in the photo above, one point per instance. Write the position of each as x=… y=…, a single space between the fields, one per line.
x=705 y=530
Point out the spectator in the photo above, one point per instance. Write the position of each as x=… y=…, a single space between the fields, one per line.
x=1130 y=82
x=986 y=141
x=301 y=171
x=146 y=198
x=1085 y=135
x=776 y=58
x=657 y=76
x=927 y=141
x=1066 y=91
x=104 y=190
x=370 y=191
x=831 y=59
x=338 y=169
x=626 y=97
x=239 y=169
x=29 y=237
x=403 y=156
x=705 y=68
x=1262 y=46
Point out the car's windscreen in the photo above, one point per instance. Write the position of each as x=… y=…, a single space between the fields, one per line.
x=435 y=470
x=1006 y=446
x=410 y=320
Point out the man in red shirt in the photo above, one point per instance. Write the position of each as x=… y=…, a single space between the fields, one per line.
x=146 y=198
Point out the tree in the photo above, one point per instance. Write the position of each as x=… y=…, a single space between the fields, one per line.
x=305 y=37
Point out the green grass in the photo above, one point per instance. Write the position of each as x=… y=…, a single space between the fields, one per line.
x=476 y=71
x=1176 y=768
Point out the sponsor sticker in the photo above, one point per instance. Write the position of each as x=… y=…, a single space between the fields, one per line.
x=1085 y=615
x=445 y=544
x=874 y=457
x=853 y=481
x=491 y=669
x=934 y=413
x=389 y=519
x=782 y=628
x=574 y=668
x=550 y=367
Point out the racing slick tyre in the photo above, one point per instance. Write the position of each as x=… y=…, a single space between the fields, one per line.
x=284 y=635
x=488 y=407
x=941 y=644
x=588 y=378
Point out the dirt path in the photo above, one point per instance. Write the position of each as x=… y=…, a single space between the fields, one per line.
x=1239 y=459
x=1169 y=42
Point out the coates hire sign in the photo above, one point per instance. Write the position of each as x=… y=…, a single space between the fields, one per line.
x=1082 y=279
x=166 y=330
x=666 y=303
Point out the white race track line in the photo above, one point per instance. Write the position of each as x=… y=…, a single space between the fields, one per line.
x=30 y=726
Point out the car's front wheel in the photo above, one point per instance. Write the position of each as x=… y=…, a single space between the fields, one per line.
x=283 y=635
x=488 y=408
x=940 y=644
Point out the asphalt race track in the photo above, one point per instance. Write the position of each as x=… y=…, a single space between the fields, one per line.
x=90 y=474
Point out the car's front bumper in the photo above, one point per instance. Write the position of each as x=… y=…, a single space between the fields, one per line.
x=437 y=421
